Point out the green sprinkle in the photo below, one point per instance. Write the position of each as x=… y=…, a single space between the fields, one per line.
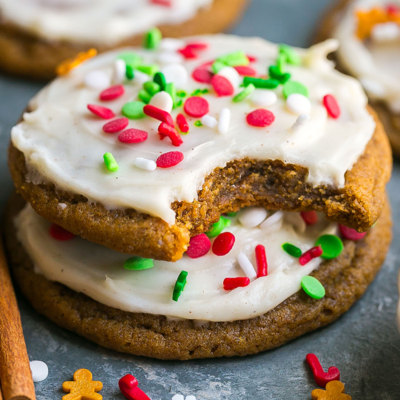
x=131 y=59
x=292 y=57
x=144 y=96
x=152 y=39
x=151 y=87
x=276 y=74
x=171 y=90
x=129 y=72
x=159 y=78
x=217 y=66
x=179 y=285
x=198 y=92
x=313 y=287
x=181 y=93
x=179 y=104
x=234 y=59
x=244 y=93
x=331 y=245
x=198 y=123
x=148 y=69
x=261 y=83
x=292 y=250
x=218 y=227
x=138 y=263
x=293 y=87
x=133 y=110
x=232 y=214
x=110 y=162
x=281 y=63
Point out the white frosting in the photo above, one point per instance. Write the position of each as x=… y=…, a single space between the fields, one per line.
x=98 y=272
x=376 y=63
x=96 y=21
x=64 y=143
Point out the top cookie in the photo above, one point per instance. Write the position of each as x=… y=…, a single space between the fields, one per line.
x=316 y=147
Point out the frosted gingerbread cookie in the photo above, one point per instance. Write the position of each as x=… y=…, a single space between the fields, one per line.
x=37 y=35
x=369 y=33
x=142 y=150
x=259 y=279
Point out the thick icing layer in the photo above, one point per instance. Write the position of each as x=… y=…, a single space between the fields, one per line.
x=64 y=144
x=98 y=271
x=104 y=22
x=375 y=63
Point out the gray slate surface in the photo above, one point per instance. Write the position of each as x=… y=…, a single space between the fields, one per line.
x=364 y=344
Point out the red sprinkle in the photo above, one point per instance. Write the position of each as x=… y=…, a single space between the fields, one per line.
x=168 y=130
x=351 y=234
x=306 y=257
x=202 y=75
x=331 y=106
x=166 y=3
x=128 y=385
x=196 y=106
x=223 y=244
x=116 y=125
x=321 y=377
x=222 y=86
x=309 y=217
x=260 y=118
x=182 y=123
x=199 y=246
x=57 y=232
x=262 y=265
x=159 y=114
x=169 y=159
x=100 y=111
x=251 y=58
x=188 y=53
x=197 y=46
x=392 y=9
x=132 y=136
x=112 y=93
x=233 y=283
x=245 y=71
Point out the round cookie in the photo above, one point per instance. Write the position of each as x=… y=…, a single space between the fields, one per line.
x=338 y=166
x=327 y=28
x=28 y=54
x=344 y=278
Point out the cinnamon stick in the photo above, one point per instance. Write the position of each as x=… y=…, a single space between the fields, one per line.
x=15 y=373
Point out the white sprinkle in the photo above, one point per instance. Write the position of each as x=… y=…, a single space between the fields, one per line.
x=298 y=104
x=295 y=219
x=61 y=206
x=119 y=71
x=264 y=98
x=171 y=44
x=246 y=265
x=252 y=216
x=373 y=87
x=301 y=120
x=385 y=32
x=97 y=80
x=209 y=121
x=40 y=371
x=176 y=73
x=232 y=75
x=168 y=57
x=162 y=100
x=224 y=120
x=178 y=397
x=272 y=220
x=141 y=77
x=146 y=164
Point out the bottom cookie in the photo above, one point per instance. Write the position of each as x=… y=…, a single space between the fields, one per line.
x=345 y=279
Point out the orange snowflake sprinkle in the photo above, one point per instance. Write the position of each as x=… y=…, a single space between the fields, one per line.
x=71 y=63
x=368 y=19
